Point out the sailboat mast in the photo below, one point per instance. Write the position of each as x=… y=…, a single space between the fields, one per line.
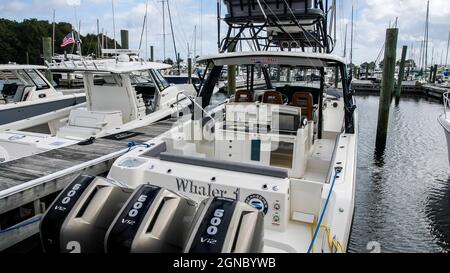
x=448 y=46
x=351 y=40
x=195 y=41
x=164 y=26
x=426 y=36
x=114 y=25
x=173 y=35
x=53 y=34
x=98 y=38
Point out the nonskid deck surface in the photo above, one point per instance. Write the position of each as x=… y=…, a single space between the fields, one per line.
x=27 y=169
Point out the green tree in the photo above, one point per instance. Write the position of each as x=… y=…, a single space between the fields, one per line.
x=19 y=38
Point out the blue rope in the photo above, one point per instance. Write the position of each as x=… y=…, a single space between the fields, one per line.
x=133 y=145
x=316 y=232
x=20 y=226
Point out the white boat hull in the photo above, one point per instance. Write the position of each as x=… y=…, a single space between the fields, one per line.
x=445 y=123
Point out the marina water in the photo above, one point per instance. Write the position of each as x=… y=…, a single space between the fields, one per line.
x=403 y=194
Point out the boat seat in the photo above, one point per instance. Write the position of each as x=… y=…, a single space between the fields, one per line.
x=243 y=96
x=306 y=102
x=273 y=97
x=9 y=89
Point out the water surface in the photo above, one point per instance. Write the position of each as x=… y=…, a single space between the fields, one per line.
x=402 y=196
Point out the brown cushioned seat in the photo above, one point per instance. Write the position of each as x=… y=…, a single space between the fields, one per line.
x=305 y=101
x=243 y=96
x=273 y=97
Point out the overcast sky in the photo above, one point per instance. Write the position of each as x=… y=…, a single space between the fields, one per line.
x=372 y=17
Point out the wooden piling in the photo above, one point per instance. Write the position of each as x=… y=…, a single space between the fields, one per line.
x=387 y=87
x=152 y=54
x=189 y=70
x=124 y=39
x=47 y=53
x=401 y=74
x=435 y=69
x=232 y=71
x=431 y=74
x=336 y=77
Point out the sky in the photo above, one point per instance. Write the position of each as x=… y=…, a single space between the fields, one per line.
x=372 y=17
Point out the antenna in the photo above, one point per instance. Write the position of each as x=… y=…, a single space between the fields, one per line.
x=345 y=41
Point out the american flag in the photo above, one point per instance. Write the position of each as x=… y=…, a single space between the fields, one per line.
x=68 y=40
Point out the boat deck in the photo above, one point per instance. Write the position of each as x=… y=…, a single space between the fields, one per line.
x=47 y=164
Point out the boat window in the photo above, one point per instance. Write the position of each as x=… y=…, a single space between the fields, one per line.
x=295 y=76
x=36 y=79
x=107 y=80
x=141 y=77
x=181 y=80
x=159 y=79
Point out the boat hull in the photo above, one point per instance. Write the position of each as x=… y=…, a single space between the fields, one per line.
x=446 y=125
x=18 y=113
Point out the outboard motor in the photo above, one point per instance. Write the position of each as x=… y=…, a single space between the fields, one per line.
x=153 y=220
x=78 y=219
x=224 y=225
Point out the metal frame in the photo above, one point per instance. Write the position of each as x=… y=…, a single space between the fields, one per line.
x=318 y=40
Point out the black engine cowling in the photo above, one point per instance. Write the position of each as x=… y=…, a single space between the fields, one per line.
x=78 y=219
x=224 y=225
x=154 y=220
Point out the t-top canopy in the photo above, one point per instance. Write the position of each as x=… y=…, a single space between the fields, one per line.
x=241 y=11
x=274 y=58
x=106 y=66
x=20 y=67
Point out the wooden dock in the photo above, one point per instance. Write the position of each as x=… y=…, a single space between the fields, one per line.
x=29 y=185
x=408 y=88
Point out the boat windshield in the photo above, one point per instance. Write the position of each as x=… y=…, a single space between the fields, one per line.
x=141 y=77
x=159 y=79
x=22 y=77
x=33 y=78
x=295 y=76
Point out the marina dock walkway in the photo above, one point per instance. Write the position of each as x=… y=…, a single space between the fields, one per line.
x=26 y=183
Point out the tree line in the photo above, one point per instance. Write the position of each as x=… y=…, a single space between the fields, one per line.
x=21 y=42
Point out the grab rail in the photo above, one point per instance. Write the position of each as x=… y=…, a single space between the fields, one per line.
x=194 y=103
x=446 y=97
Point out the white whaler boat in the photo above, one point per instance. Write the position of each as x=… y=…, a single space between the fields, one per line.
x=289 y=152
x=122 y=95
x=26 y=93
x=444 y=120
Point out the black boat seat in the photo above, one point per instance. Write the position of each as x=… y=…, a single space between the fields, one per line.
x=9 y=89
